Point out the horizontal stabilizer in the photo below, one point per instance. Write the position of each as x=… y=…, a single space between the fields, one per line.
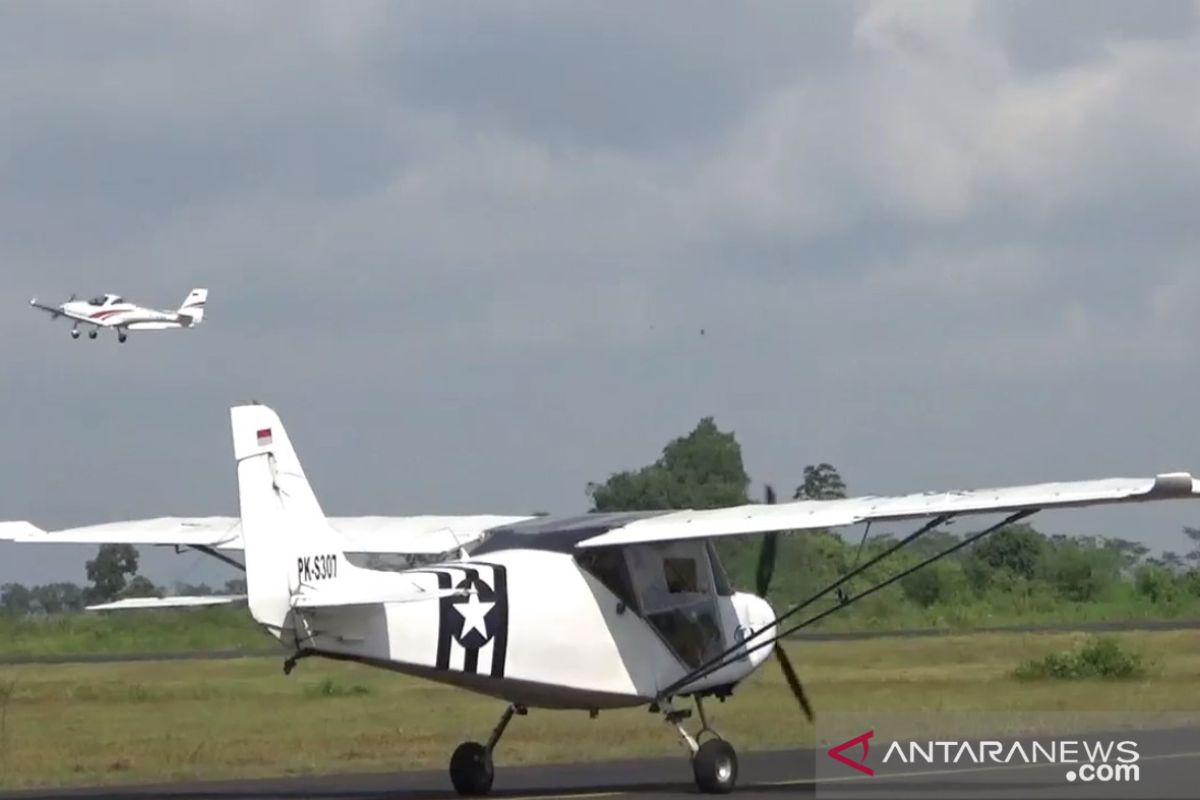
x=365 y=596
x=132 y=603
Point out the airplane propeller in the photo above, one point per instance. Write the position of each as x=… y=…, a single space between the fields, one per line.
x=766 y=569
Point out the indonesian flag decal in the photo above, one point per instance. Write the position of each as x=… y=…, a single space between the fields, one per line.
x=264 y=437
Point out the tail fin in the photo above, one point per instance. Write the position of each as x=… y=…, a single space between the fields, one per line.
x=289 y=545
x=193 y=305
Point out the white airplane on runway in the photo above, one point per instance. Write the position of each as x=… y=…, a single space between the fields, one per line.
x=113 y=311
x=598 y=611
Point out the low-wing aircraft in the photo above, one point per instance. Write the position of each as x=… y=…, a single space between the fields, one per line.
x=597 y=611
x=113 y=311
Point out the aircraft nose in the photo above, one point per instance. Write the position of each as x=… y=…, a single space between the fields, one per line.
x=755 y=614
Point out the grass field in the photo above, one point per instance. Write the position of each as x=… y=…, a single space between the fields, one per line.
x=83 y=724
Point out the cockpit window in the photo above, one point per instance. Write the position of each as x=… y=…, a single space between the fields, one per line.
x=97 y=301
x=608 y=565
x=116 y=300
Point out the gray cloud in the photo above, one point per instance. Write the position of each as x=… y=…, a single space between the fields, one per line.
x=467 y=252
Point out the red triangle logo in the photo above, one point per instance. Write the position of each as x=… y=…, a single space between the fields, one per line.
x=861 y=765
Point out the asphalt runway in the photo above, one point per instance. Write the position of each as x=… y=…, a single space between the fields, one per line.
x=811 y=636
x=1169 y=763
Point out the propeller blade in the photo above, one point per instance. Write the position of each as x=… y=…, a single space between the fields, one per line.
x=789 y=674
x=766 y=556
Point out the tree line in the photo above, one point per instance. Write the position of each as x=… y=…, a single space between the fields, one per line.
x=113 y=574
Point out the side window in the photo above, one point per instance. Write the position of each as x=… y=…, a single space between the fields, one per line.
x=680 y=574
x=608 y=566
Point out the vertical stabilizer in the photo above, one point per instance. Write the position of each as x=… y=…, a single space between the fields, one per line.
x=288 y=542
x=193 y=306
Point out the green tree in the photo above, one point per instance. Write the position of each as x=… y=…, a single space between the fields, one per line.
x=108 y=569
x=1079 y=569
x=1155 y=583
x=1193 y=535
x=701 y=470
x=940 y=582
x=821 y=482
x=56 y=598
x=16 y=599
x=140 y=586
x=1016 y=549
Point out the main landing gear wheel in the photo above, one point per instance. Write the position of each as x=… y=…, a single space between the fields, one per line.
x=471 y=769
x=91 y=334
x=74 y=334
x=121 y=338
x=715 y=767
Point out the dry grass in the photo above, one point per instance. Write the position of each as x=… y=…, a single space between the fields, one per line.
x=83 y=724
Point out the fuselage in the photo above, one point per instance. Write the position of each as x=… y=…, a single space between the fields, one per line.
x=538 y=628
x=113 y=312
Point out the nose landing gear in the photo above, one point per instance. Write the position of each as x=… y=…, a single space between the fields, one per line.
x=714 y=762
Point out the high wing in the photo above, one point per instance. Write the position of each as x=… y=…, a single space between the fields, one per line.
x=18 y=531
x=815 y=514
x=417 y=535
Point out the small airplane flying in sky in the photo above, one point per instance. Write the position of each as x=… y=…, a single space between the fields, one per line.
x=113 y=311
x=591 y=612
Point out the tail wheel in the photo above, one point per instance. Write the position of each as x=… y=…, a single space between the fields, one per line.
x=715 y=767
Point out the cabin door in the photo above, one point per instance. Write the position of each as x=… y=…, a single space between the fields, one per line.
x=676 y=594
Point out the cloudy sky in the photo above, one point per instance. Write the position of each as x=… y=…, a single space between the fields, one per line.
x=466 y=250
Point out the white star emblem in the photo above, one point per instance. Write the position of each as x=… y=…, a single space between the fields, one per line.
x=473 y=612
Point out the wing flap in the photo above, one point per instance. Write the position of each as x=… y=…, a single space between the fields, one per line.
x=814 y=514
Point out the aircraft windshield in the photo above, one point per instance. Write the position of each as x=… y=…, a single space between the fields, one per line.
x=118 y=300
x=97 y=301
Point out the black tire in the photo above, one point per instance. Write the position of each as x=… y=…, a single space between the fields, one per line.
x=471 y=770
x=715 y=767
x=92 y=334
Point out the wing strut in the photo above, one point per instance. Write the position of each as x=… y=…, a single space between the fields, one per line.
x=737 y=652
x=208 y=551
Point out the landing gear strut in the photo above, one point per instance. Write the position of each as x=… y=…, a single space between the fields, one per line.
x=471 y=768
x=714 y=762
